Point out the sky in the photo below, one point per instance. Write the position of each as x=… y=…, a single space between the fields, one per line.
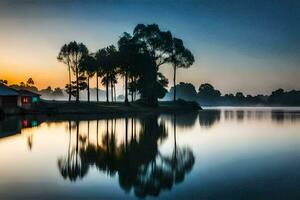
x=251 y=46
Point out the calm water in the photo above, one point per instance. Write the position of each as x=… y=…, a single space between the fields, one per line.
x=223 y=153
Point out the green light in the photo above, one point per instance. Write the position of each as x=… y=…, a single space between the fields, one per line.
x=34 y=99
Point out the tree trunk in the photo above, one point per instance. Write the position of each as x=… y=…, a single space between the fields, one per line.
x=126 y=89
x=112 y=90
x=115 y=93
x=174 y=79
x=88 y=88
x=107 y=82
x=97 y=80
x=77 y=85
x=69 y=82
x=77 y=81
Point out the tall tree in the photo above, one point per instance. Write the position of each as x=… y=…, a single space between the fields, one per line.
x=112 y=67
x=181 y=57
x=101 y=62
x=71 y=54
x=129 y=48
x=107 y=59
x=64 y=56
x=158 y=45
x=78 y=51
x=88 y=65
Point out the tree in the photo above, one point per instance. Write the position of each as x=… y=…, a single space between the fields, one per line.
x=64 y=56
x=112 y=68
x=107 y=62
x=180 y=58
x=127 y=51
x=184 y=91
x=71 y=54
x=88 y=65
x=156 y=45
x=57 y=92
x=77 y=86
x=30 y=82
x=101 y=60
x=5 y=82
x=206 y=90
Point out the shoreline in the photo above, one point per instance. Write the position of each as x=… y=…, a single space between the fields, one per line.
x=51 y=108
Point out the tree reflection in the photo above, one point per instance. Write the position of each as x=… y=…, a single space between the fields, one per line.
x=209 y=117
x=140 y=166
x=184 y=120
x=73 y=166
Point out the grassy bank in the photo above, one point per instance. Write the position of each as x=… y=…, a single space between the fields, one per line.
x=115 y=108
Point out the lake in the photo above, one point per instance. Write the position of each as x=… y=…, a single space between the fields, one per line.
x=218 y=153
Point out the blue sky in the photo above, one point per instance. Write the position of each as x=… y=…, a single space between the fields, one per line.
x=250 y=46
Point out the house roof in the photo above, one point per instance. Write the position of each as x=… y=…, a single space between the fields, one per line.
x=23 y=92
x=7 y=91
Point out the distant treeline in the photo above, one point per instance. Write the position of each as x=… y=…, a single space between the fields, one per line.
x=207 y=95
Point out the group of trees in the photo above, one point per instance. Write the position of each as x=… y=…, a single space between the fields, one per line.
x=137 y=59
x=29 y=85
x=207 y=95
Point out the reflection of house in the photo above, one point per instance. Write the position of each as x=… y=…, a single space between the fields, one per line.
x=14 y=124
x=11 y=99
x=10 y=126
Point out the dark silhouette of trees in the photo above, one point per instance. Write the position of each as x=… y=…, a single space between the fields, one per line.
x=281 y=97
x=28 y=86
x=49 y=93
x=185 y=91
x=128 y=49
x=30 y=82
x=157 y=46
x=207 y=90
x=107 y=63
x=64 y=56
x=209 y=96
x=5 y=82
x=180 y=57
x=101 y=61
x=137 y=59
x=112 y=69
x=88 y=65
x=71 y=54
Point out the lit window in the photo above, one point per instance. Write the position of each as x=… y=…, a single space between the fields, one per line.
x=34 y=99
x=25 y=100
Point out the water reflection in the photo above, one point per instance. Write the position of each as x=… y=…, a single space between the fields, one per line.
x=140 y=165
x=208 y=118
x=146 y=155
x=13 y=125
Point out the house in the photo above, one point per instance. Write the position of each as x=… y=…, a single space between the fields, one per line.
x=27 y=98
x=11 y=99
x=8 y=98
